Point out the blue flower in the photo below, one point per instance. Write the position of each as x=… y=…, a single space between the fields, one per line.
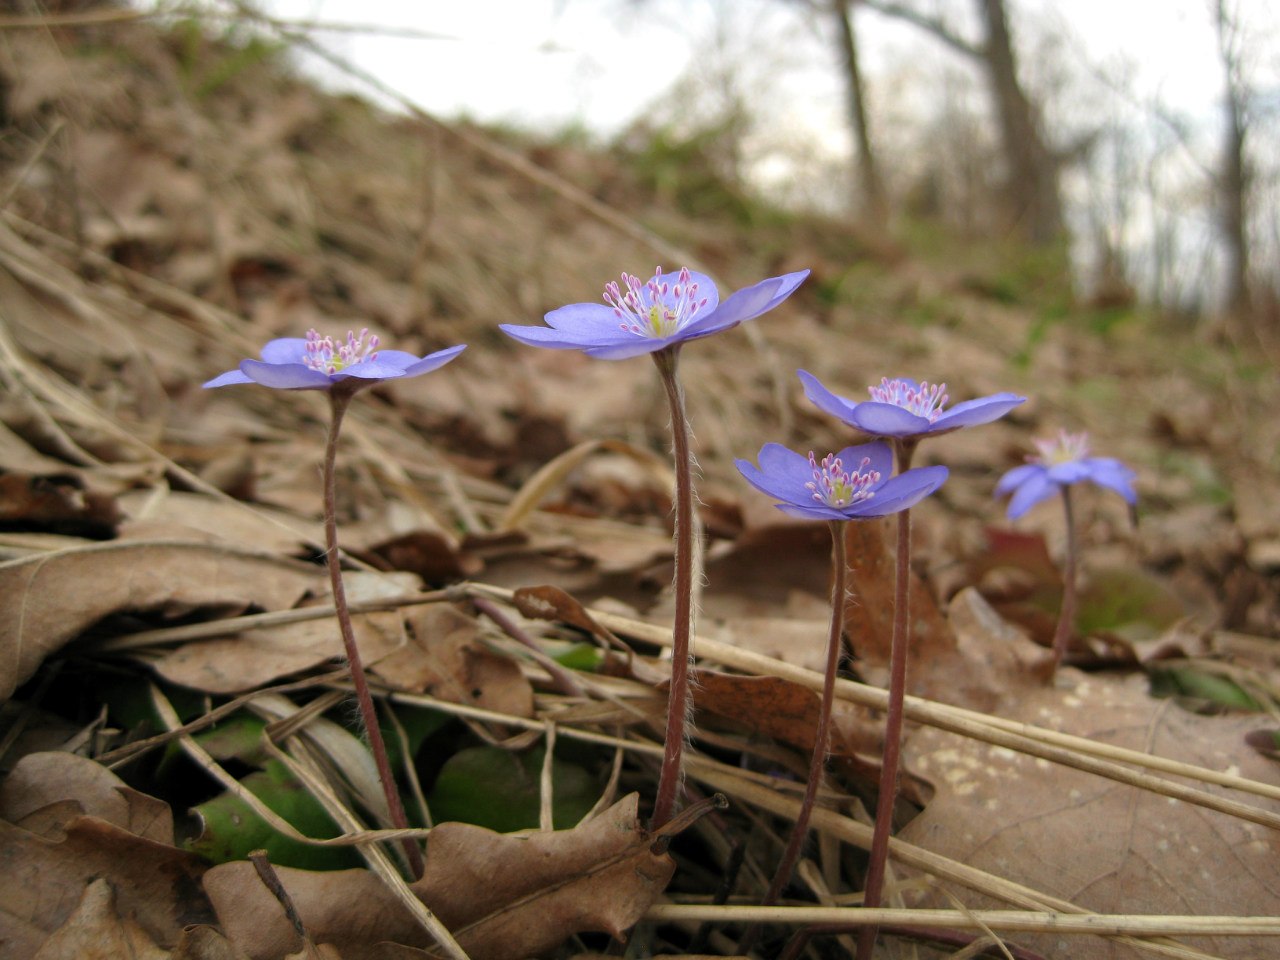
x=641 y=317
x=1062 y=462
x=854 y=484
x=318 y=363
x=904 y=409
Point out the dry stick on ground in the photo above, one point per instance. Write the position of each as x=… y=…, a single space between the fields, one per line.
x=1007 y=921
x=1027 y=738
x=760 y=790
x=1077 y=752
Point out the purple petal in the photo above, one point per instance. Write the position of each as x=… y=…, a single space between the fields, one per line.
x=371 y=370
x=226 y=379
x=433 y=361
x=630 y=346
x=816 y=512
x=880 y=455
x=1114 y=475
x=824 y=399
x=1035 y=488
x=285 y=350
x=887 y=420
x=585 y=320
x=399 y=359
x=285 y=376
x=1016 y=476
x=746 y=304
x=545 y=337
x=971 y=413
x=783 y=476
x=706 y=288
x=902 y=492
x=1071 y=471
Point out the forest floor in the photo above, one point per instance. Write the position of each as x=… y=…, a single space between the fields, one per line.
x=172 y=201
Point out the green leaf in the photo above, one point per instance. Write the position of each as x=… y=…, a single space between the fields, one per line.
x=419 y=723
x=232 y=830
x=1128 y=602
x=1200 y=685
x=586 y=657
x=238 y=738
x=498 y=789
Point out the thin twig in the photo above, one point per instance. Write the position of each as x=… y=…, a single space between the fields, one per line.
x=1020 y=921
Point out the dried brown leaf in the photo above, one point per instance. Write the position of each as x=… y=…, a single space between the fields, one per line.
x=96 y=932
x=193 y=516
x=202 y=942
x=57 y=503
x=40 y=780
x=1105 y=846
x=869 y=614
x=155 y=884
x=500 y=895
x=257 y=657
x=496 y=892
x=49 y=599
x=446 y=659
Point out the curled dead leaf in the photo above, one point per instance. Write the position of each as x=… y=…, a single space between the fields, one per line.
x=445 y=658
x=48 y=599
x=155 y=884
x=41 y=780
x=1103 y=845
x=500 y=895
x=257 y=657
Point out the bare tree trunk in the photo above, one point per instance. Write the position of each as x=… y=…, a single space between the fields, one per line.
x=1233 y=179
x=1032 y=166
x=1033 y=175
x=874 y=206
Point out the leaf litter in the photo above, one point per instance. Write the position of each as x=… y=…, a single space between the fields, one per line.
x=151 y=249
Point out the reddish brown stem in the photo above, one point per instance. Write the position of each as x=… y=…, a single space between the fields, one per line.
x=678 y=702
x=822 y=736
x=339 y=400
x=1067 y=614
x=904 y=450
x=840 y=571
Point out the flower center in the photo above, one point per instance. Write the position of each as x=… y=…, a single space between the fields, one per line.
x=1064 y=448
x=833 y=486
x=328 y=356
x=925 y=400
x=653 y=308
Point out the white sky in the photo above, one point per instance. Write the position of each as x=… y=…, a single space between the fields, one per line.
x=599 y=64
x=601 y=61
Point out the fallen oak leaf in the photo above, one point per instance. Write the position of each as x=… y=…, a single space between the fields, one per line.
x=48 y=599
x=155 y=883
x=445 y=658
x=96 y=932
x=256 y=657
x=502 y=895
x=39 y=782
x=774 y=707
x=549 y=602
x=1103 y=845
x=601 y=876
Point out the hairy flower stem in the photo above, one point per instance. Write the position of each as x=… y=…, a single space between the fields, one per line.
x=339 y=400
x=678 y=701
x=839 y=569
x=904 y=450
x=1067 y=614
